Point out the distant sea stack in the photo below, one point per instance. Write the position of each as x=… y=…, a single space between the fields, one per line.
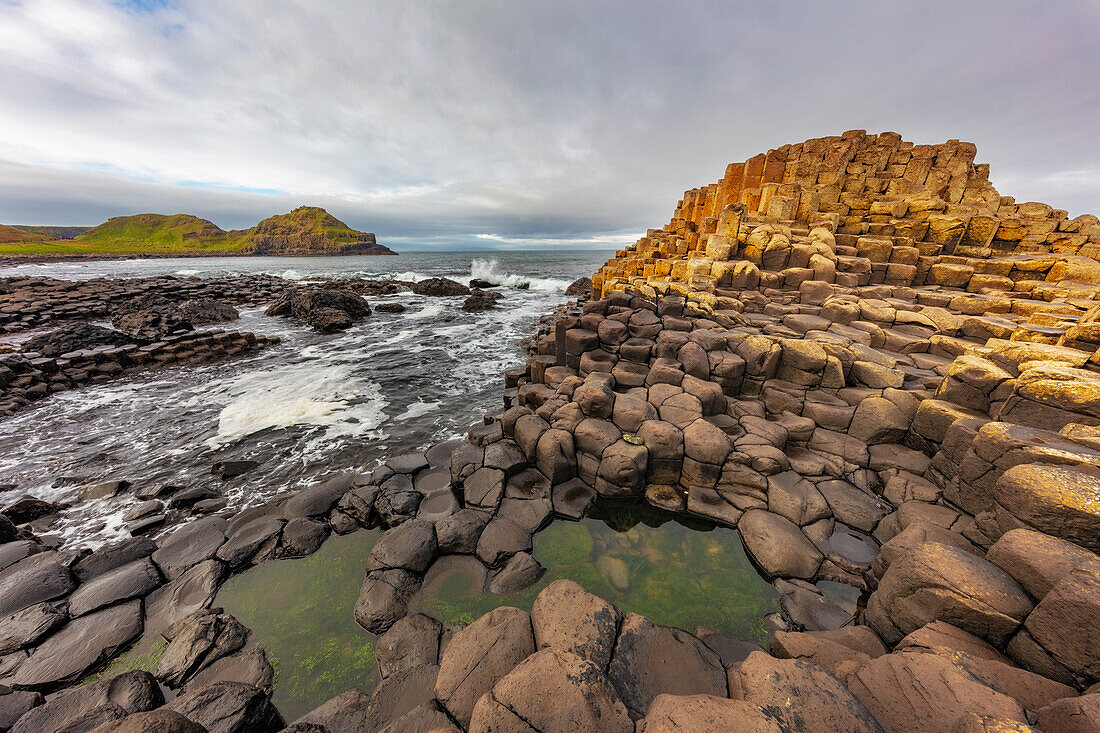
x=309 y=230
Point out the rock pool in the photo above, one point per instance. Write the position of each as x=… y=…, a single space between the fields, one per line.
x=695 y=577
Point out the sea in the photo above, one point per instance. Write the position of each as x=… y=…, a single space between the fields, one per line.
x=311 y=407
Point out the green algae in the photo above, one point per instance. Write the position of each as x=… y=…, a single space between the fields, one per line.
x=694 y=577
x=676 y=571
x=144 y=654
x=301 y=613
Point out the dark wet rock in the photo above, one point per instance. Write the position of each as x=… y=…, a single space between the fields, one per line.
x=101 y=491
x=519 y=572
x=40 y=577
x=384 y=598
x=75 y=337
x=249 y=540
x=80 y=647
x=480 y=300
x=25 y=627
x=190 y=545
x=501 y=539
x=209 y=506
x=411 y=546
x=202 y=311
x=143 y=509
x=650 y=660
x=506 y=456
x=672 y=713
x=347 y=711
x=484 y=488
x=150 y=318
x=580 y=286
x=552 y=691
x=477 y=282
x=809 y=609
x=8 y=532
x=803 y=696
x=408 y=462
x=397 y=501
x=479 y=655
x=565 y=616
x=250 y=665
x=422 y=719
x=410 y=643
x=390 y=308
x=302 y=537
x=196 y=642
x=193 y=497
x=146 y=524
x=133 y=580
x=317 y=500
x=399 y=694
x=572 y=498
x=459 y=533
x=153 y=721
x=129 y=692
x=13 y=551
x=324 y=308
x=731 y=651
x=233 y=707
x=192 y=591
x=28 y=508
x=15 y=703
x=226 y=470
x=437 y=286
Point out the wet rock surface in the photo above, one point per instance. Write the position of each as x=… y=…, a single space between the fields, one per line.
x=852 y=349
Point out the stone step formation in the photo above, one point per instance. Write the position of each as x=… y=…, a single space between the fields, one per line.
x=853 y=350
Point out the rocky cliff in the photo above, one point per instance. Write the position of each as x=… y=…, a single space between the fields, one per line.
x=309 y=230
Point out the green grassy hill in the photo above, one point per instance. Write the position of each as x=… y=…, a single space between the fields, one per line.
x=305 y=231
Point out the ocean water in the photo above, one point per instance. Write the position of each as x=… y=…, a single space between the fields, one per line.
x=310 y=407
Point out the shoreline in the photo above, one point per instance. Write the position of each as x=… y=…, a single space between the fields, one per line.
x=890 y=393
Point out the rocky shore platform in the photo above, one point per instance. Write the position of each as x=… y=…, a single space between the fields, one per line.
x=854 y=350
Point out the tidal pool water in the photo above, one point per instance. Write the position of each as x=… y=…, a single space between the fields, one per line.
x=695 y=577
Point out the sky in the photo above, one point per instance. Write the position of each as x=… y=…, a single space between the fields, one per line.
x=513 y=124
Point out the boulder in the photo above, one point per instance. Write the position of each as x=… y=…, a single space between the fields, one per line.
x=412 y=546
x=479 y=655
x=34 y=579
x=75 y=337
x=384 y=598
x=675 y=713
x=197 y=642
x=567 y=617
x=346 y=711
x=803 y=697
x=80 y=647
x=189 y=545
x=1037 y=561
x=26 y=626
x=229 y=706
x=325 y=308
x=129 y=692
x=916 y=693
x=410 y=643
x=439 y=286
x=202 y=311
x=1064 y=623
x=193 y=590
x=1071 y=715
x=552 y=691
x=133 y=580
x=1063 y=501
x=778 y=545
x=934 y=582
x=153 y=721
x=649 y=660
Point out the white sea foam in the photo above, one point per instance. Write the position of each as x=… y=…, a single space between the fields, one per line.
x=418 y=408
x=326 y=396
x=292 y=275
x=409 y=276
x=188 y=273
x=431 y=310
x=487 y=270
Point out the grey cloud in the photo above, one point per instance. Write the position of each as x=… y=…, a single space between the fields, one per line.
x=537 y=122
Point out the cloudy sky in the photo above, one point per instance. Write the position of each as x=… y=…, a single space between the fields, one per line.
x=512 y=123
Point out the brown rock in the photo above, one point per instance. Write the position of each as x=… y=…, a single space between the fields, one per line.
x=567 y=617
x=675 y=713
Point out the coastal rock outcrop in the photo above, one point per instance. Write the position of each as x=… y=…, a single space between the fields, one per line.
x=326 y=309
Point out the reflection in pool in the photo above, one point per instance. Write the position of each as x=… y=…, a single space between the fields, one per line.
x=695 y=576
